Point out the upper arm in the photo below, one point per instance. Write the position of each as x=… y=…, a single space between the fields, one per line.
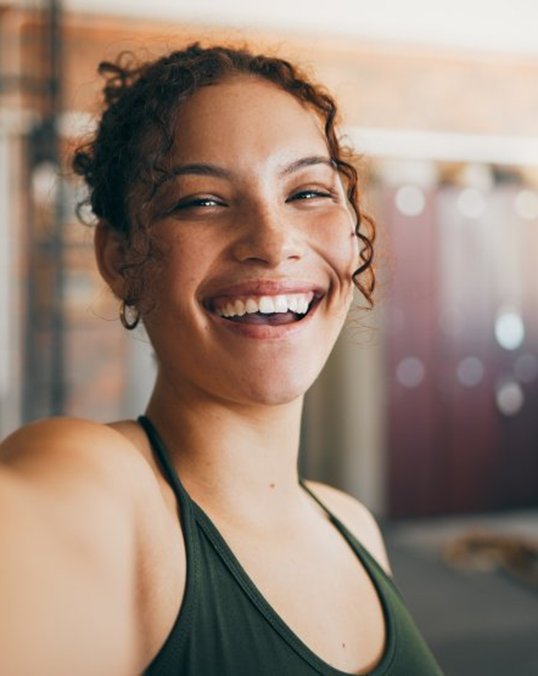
x=68 y=543
x=357 y=518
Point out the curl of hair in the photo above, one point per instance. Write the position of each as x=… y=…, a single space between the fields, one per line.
x=124 y=162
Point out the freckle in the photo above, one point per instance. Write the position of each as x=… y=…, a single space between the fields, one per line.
x=343 y=645
x=271 y=485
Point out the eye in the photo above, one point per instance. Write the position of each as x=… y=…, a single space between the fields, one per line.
x=307 y=195
x=198 y=203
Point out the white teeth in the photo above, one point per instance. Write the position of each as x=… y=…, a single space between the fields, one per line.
x=298 y=303
x=251 y=306
x=239 y=308
x=266 y=305
x=281 y=304
x=302 y=306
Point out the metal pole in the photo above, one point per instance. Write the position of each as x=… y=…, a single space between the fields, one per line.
x=33 y=351
x=58 y=393
x=44 y=392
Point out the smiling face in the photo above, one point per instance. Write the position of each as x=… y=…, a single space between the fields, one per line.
x=259 y=248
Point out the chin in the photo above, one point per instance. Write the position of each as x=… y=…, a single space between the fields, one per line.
x=275 y=398
x=277 y=391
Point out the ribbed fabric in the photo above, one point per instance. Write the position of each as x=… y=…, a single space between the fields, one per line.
x=226 y=627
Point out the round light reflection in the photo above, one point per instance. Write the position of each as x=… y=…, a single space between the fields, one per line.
x=470 y=371
x=410 y=200
x=471 y=203
x=510 y=398
x=527 y=204
x=410 y=372
x=509 y=330
x=45 y=182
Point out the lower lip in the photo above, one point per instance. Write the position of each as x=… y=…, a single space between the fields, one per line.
x=266 y=331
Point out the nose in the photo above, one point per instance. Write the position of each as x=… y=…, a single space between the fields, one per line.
x=268 y=237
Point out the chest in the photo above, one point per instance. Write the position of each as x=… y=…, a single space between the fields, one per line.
x=315 y=583
x=308 y=578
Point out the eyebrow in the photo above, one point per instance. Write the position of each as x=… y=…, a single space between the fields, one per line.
x=307 y=162
x=206 y=169
x=201 y=169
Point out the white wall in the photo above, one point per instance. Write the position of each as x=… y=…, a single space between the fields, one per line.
x=498 y=25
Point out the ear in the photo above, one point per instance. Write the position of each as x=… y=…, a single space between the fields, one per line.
x=110 y=253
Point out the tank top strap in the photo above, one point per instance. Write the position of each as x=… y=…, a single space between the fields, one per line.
x=172 y=476
x=327 y=511
x=165 y=464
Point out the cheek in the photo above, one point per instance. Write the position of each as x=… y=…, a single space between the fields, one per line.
x=186 y=257
x=172 y=286
x=340 y=248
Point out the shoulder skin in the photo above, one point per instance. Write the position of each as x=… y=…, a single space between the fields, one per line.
x=77 y=501
x=356 y=517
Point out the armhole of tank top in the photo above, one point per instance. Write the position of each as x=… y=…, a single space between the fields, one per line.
x=377 y=575
x=353 y=539
x=314 y=497
x=172 y=645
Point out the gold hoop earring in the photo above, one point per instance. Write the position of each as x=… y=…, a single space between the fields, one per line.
x=127 y=323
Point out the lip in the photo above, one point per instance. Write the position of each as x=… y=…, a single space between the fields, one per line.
x=264 y=331
x=261 y=287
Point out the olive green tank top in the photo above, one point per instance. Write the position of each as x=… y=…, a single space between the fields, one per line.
x=226 y=627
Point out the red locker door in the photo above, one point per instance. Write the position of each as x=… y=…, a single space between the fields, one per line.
x=462 y=350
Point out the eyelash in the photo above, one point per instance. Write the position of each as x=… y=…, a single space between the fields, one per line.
x=310 y=194
x=200 y=202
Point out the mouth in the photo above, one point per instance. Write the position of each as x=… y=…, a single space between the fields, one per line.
x=265 y=310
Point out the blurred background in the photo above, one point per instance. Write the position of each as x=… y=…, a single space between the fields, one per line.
x=428 y=408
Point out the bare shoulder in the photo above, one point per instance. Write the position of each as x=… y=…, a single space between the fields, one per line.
x=356 y=517
x=69 y=442
x=80 y=497
x=55 y=434
x=64 y=454
x=76 y=471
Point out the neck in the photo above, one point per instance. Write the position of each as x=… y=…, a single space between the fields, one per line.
x=230 y=457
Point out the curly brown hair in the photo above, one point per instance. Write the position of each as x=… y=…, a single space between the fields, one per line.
x=124 y=162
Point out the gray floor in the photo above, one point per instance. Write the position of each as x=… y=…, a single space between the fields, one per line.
x=477 y=623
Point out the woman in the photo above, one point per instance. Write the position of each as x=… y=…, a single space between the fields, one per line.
x=228 y=222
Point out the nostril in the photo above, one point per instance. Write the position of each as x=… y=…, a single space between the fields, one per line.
x=271 y=249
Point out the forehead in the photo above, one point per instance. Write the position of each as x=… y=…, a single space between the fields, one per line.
x=246 y=115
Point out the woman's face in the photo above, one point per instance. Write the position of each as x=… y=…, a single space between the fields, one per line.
x=259 y=248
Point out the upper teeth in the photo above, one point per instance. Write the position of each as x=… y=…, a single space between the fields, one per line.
x=267 y=305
